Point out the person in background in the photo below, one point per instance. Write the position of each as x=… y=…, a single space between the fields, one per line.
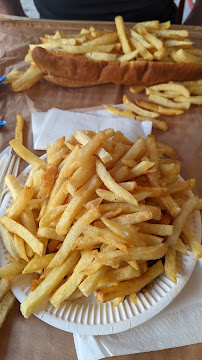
x=105 y=10
x=99 y=10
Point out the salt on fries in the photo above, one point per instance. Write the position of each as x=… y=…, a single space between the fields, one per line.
x=101 y=216
x=168 y=99
x=149 y=41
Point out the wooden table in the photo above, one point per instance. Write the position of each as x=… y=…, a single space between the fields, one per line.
x=33 y=339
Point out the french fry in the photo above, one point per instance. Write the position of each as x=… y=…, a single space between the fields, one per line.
x=5 y=305
x=150 y=239
x=124 y=231
x=196 y=100
x=181 y=186
x=168 y=150
x=156 y=229
x=8 y=242
x=153 y=153
x=141 y=39
x=20 y=203
x=117 y=111
x=154 y=41
x=195 y=90
x=5 y=285
x=71 y=284
x=53 y=279
x=27 y=79
x=164 y=26
x=180 y=246
x=129 y=56
x=82 y=195
x=170 y=33
x=133 y=297
x=20 y=247
x=13 y=268
x=38 y=263
x=134 y=218
x=89 y=284
x=114 y=275
x=185 y=105
x=118 y=300
x=127 y=208
x=108 y=38
x=149 y=25
x=106 y=236
x=84 y=139
x=178 y=88
x=144 y=52
x=192 y=241
x=56 y=152
x=13 y=185
x=142 y=253
x=161 y=54
x=183 y=56
x=73 y=235
x=130 y=286
x=85 y=242
x=81 y=176
x=20 y=230
x=80 y=49
x=26 y=155
x=140 y=169
x=120 y=27
x=29 y=221
x=49 y=233
x=137 y=110
x=112 y=185
x=48 y=180
x=19 y=128
x=171 y=264
x=52 y=215
x=159 y=109
x=13 y=76
x=101 y=56
x=180 y=220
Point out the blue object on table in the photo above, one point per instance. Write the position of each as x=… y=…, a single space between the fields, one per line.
x=2 y=123
x=2 y=78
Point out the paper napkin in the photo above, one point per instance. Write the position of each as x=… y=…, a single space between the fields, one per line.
x=48 y=127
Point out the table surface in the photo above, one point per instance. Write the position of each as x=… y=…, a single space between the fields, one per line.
x=21 y=338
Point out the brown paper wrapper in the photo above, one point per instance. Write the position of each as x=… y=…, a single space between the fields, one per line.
x=20 y=338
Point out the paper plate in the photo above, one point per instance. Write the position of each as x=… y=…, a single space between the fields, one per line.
x=89 y=317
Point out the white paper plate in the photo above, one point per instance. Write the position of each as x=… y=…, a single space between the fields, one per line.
x=89 y=317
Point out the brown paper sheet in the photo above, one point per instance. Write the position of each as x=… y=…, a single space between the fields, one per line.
x=33 y=339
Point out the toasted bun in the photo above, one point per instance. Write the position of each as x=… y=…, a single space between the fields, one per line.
x=82 y=69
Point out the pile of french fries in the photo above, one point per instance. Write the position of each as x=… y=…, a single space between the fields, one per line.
x=145 y=41
x=172 y=98
x=100 y=215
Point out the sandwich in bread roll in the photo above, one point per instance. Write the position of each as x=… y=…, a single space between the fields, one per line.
x=141 y=54
x=72 y=70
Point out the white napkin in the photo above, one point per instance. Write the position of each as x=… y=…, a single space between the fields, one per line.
x=179 y=324
x=48 y=127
